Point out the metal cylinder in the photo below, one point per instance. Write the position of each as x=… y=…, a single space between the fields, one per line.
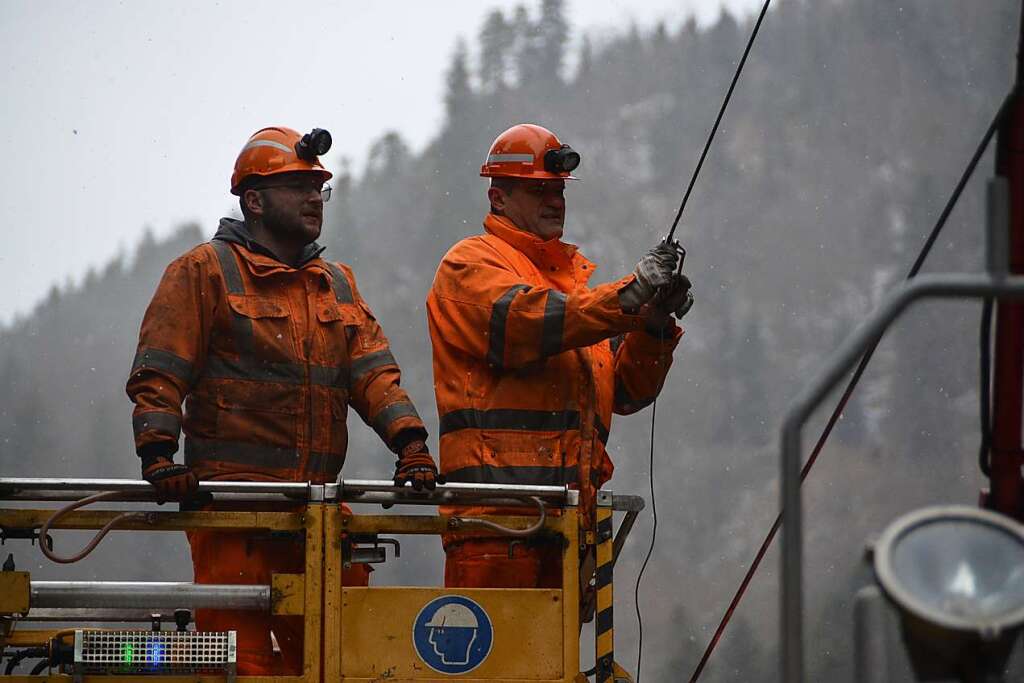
x=151 y=595
x=353 y=490
x=11 y=484
x=96 y=614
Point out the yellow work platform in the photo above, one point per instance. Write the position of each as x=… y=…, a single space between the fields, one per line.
x=352 y=634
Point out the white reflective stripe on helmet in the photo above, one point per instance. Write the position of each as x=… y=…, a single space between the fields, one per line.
x=516 y=158
x=268 y=143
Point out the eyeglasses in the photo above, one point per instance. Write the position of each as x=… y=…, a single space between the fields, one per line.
x=303 y=188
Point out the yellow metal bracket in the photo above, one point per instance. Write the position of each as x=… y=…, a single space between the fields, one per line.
x=287 y=594
x=14 y=592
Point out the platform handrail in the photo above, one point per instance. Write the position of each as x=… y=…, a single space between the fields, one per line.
x=347 y=490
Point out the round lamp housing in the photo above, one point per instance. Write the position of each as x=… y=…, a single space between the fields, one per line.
x=957 y=568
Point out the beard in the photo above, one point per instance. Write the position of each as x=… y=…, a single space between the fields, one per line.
x=289 y=225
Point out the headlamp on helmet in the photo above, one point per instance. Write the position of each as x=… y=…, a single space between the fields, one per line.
x=562 y=160
x=313 y=144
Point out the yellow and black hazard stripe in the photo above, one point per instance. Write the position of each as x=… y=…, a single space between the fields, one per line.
x=604 y=630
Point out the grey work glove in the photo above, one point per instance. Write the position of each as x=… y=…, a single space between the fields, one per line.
x=654 y=271
x=676 y=299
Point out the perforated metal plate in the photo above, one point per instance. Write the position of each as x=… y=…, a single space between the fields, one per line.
x=154 y=652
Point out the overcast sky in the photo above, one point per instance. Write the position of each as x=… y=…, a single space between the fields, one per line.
x=121 y=115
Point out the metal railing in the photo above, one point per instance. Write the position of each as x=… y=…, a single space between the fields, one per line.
x=349 y=491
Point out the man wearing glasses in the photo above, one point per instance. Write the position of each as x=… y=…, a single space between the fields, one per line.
x=267 y=344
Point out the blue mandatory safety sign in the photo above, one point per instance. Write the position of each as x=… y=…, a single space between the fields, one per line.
x=453 y=634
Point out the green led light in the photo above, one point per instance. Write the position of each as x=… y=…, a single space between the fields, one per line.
x=126 y=653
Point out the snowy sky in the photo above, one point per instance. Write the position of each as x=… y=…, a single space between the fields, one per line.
x=121 y=115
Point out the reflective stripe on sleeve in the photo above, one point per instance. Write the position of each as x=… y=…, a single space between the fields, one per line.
x=504 y=418
x=165 y=423
x=163 y=361
x=385 y=417
x=364 y=364
x=554 y=322
x=499 y=318
x=529 y=475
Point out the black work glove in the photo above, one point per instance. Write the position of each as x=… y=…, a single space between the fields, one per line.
x=171 y=481
x=653 y=272
x=415 y=465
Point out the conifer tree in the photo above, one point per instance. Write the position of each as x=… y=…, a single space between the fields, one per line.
x=527 y=48
x=458 y=98
x=496 y=41
x=553 y=37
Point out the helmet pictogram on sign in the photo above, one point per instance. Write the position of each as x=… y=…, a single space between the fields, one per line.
x=453 y=634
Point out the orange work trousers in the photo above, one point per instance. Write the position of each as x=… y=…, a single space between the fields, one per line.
x=485 y=563
x=248 y=557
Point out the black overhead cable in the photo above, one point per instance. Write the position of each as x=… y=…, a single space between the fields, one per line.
x=718 y=120
x=925 y=249
x=654 y=406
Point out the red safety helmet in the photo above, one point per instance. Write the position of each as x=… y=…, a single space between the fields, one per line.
x=280 y=150
x=530 y=151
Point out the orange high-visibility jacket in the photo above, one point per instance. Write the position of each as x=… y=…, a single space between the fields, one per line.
x=267 y=359
x=530 y=363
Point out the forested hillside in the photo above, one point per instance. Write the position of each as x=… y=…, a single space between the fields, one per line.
x=848 y=130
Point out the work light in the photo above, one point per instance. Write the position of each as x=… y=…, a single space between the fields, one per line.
x=956 y=576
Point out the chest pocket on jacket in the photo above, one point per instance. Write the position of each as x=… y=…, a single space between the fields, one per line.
x=340 y=323
x=358 y=323
x=262 y=327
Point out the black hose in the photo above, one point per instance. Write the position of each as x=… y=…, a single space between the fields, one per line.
x=29 y=653
x=38 y=668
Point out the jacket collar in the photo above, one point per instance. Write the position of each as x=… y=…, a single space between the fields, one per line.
x=554 y=258
x=236 y=232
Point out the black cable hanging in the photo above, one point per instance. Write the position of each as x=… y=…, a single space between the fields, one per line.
x=855 y=378
x=654 y=406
